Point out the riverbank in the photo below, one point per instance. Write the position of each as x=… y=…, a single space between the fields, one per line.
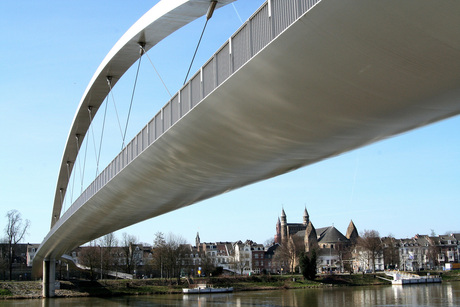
x=106 y=288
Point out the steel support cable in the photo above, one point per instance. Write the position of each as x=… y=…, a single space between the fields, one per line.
x=102 y=136
x=84 y=165
x=211 y=9
x=68 y=181
x=90 y=112
x=158 y=74
x=73 y=188
x=61 y=191
x=132 y=95
x=109 y=82
x=77 y=138
x=237 y=14
x=196 y=50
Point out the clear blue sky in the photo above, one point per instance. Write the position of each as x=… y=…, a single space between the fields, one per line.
x=49 y=51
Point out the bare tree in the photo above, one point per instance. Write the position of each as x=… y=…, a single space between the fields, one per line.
x=90 y=256
x=390 y=252
x=175 y=251
x=269 y=242
x=169 y=255
x=289 y=253
x=15 y=231
x=108 y=244
x=159 y=252
x=207 y=264
x=239 y=264
x=369 y=241
x=433 y=253
x=129 y=244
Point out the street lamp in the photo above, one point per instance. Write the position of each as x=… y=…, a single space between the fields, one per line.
x=100 y=249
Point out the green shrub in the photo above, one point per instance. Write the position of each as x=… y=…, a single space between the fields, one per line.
x=5 y=292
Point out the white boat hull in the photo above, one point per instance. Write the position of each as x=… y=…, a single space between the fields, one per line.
x=206 y=290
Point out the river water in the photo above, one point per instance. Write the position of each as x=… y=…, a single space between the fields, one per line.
x=445 y=294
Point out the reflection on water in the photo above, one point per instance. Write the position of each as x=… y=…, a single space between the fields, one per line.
x=442 y=295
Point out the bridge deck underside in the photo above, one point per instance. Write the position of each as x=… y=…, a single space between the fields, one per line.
x=346 y=74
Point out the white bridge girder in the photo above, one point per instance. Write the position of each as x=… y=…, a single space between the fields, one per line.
x=346 y=74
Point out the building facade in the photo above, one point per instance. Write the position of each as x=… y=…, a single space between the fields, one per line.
x=333 y=249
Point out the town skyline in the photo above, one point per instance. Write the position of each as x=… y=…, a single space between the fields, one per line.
x=333 y=250
x=298 y=219
x=407 y=182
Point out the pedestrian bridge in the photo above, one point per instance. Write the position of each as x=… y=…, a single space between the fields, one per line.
x=299 y=82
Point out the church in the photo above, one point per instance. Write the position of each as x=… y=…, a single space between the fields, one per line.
x=332 y=247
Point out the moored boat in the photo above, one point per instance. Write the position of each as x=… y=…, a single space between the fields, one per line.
x=403 y=278
x=203 y=288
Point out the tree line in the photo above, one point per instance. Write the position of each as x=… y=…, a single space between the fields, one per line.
x=166 y=259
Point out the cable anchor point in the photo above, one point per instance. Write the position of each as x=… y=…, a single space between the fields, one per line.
x=142 y=48
x=212 y=7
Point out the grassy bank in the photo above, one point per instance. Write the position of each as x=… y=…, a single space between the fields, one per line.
x=75 y=288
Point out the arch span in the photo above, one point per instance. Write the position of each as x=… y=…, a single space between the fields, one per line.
x=163 y=19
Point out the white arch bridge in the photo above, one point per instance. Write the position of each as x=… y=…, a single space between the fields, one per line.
x=300 y=81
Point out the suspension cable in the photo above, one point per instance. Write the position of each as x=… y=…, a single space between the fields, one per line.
x=134 y=89
x=90 y=112
x=109 y=82
x=211 y=9
x=61 y=191
x=158 y=74
x=237 y=14
x=77 y=138
x=196 y=50
x=84 y=165
x=68 y=182
x=73 y=189
x=102 y=135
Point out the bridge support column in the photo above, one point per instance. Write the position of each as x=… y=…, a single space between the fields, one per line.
x=49 y=279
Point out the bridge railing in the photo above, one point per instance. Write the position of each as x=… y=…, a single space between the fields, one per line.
x=272 y=18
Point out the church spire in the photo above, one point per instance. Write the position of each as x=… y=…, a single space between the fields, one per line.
x=278 y=232
x=352 y=232
x=284 y=235
x=197 y=239
x=306 y=217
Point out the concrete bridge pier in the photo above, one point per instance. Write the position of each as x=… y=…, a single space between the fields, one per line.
x=49 y=277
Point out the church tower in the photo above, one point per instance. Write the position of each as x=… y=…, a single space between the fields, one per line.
x=311 y=238
x=283 y=227
x=352 y=233
x=197 y=241
x=278 y=232
x=306 y=217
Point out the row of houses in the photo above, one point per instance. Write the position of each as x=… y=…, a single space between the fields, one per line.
x=335 y=252
x=423 y=252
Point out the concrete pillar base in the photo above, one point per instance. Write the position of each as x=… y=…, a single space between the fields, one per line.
x=49 y=273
